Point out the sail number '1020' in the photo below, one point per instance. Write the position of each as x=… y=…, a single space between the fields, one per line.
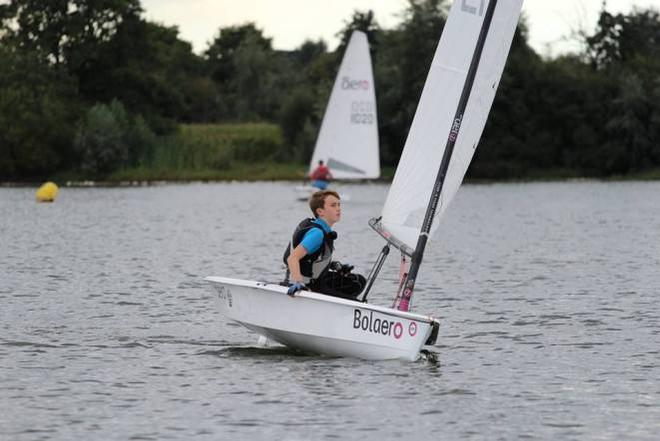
x=362 y=112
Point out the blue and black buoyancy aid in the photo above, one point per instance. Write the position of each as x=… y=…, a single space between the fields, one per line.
x=313 y=264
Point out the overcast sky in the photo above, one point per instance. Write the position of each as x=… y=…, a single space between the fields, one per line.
x=290 y=22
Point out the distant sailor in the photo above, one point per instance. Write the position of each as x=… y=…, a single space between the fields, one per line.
x=308 y=256
x=321 y=176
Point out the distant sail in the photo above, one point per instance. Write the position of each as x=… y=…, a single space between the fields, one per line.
x=348 y=138
x=411 y=189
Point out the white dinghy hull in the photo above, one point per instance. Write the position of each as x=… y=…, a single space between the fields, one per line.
x=304 y=192
x=321 y=324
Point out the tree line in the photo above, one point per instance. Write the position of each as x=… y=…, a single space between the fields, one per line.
x=90 y=86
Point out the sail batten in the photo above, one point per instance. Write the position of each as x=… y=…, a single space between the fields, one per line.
x=457 y=70
x=348 y=136
x=436 y=117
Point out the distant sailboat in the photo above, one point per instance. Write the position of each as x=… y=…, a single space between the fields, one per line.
x=348 y=138
x=450 y=118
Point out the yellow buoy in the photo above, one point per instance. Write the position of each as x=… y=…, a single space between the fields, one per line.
x=47 y=192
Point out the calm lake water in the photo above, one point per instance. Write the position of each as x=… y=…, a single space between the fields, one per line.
x=548 y=296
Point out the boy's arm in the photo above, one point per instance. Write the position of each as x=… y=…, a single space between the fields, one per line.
x=294 y=263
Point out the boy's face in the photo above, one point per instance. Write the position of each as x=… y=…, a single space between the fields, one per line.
x=331 y=211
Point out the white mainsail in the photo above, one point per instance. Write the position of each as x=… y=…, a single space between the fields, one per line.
x=411 y=189
x=348 y=138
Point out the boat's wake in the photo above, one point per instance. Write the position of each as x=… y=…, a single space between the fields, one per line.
x=429 y=356
x=255 y=351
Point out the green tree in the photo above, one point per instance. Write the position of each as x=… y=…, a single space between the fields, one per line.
x=113 y=53
x=515 y=120
x=38 y=108
x=360 y=21
x=64 y=31
x=310 y=81
x=101 y=139
x=152 y=72
x=309 y=51
x=220 y=53
x=109 y=139
x=251 y=78
x=630 y=137
x=621 y=38
x=625 y=50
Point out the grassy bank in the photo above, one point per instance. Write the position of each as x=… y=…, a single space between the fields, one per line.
x=218 y=152
x=239 y=171
x=249 y=151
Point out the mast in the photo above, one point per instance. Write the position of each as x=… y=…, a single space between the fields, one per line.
x=418 y=254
